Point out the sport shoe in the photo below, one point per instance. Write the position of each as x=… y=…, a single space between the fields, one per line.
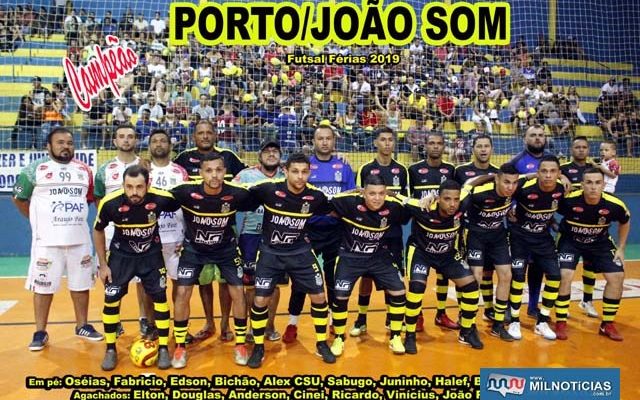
x=543 y=329
x=257 y=356
x=119 y=330
x=337 y=347
x=514 y=330
x=561 y=330
x=588 y=308
x=290 y=334
x=39 y=341
x=323 y=350
x=410 y=346
x=609 y=330
x=489 y=314
x=444 y=321
x=164 y=359
x=420 y=323
x=470 y=337
x=87 y=331
x=358 y=329
x=110 y=360
x=498 y=330
x=396 y=345
x=152 y=332
x=241 y=354
x=144 y=326
x=179 y=358
x=272 y=336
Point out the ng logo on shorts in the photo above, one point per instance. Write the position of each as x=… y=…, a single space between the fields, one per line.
x=420 y=269
x=343 y=285
x=111 y=290
x=185 y=272
x=474 y=255
x=263 y=283
x=517 y=263
x=565 y=257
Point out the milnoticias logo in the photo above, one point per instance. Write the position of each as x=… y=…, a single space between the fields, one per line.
x=504 y=384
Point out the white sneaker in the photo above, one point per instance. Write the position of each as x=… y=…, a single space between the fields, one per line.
x=545 y=331
x=589 y=309
x=514 y=330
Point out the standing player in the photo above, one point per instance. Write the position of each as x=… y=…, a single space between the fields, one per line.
x=584 y=232
x=54 y=193
x=425 y=178
x=135 y=250
x=482 y=148
x=396 y=178
x=209 y=208
x=536 y=202
x=165 y=175
x=205 y=137
x=366 y=219
x=285 y=248
x=435 y=242
x=331 y=175
x=250 y=228
x=574 y=170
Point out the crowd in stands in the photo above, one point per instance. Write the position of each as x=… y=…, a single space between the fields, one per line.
x=250 y=92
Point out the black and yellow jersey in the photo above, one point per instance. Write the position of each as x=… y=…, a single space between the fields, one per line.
x=210 y=219
x=467 y=171
x=364 y=229
x=574 y=172
x=432 y=232
x=585 y=223
x=136 y=225
x=394 y=175
x=425 y=180
x=485 y=208
x=286 y=214
x=535 y=208
x=190 y=161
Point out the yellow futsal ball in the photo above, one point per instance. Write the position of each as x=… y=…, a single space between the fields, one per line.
x=532 y=111
x=491 y=104
x=505 y=103
x=144 y=353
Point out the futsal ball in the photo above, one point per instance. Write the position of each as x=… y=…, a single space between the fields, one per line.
x=491 y=104
x=532 y=111
x=505 y=103
x=144 y=353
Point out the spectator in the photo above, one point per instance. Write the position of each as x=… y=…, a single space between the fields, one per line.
x=391 y=115
x=155 y=109
x=179 y=108
x=633 y=123
x=140 y=28
x=574 y=104
x=618 y=131
x=480 y=112
x=121 y=113
x=156 y=67
x=543 y=75
x=51 y=118
x=446 y=111
x=289 y=135
x=417 y=138
x=108 y=26
x=72 y=26
x=204 y=109
x=226 y=127
x=159 y=25
x=178 y=133
x=610 y=89
x=626 y=95
x=144 y=127
x=605 y=112
x=95 y=121
x=24 y=133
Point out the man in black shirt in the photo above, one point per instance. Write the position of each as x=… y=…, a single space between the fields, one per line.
x=584 y=232
x=135 y=250
x=285 y=248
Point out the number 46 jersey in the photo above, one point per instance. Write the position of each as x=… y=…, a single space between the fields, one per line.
x=171 y=224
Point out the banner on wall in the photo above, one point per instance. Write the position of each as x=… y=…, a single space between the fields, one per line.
x=12 y=162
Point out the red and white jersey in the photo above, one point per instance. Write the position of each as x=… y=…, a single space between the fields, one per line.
x=610 y=183
x=109 y=176
x=171 y=224
x=59 y=196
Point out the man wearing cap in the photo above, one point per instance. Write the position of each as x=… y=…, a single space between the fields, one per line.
x=250 y=228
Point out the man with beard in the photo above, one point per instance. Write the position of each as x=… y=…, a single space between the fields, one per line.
x=482 y=148
x=425 y=177
x=574 y=170
x=528 y=161
x=135 y=250
x=205 y=137
x=209 y=208
x=108 y=180
x=54 y=193
x=250 y=229
x=331 y=175
x=165 y=175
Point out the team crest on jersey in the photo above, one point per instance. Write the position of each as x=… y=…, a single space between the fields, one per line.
x=602 y=221
x=151 y=217
x=383 y=222
x=554 y=203
x=338 y=176
x=396 y=180
x=308 y=198
x=443 y=178
x=226 y=207
x=305 y=207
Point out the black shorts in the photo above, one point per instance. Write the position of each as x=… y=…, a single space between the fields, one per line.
x=191 y=263
x=599 y=255
x=149 y=268
x=451 y=266
x=249 y=244
x=537 y=250
x=379 y=267
x=302 y=268
x=489 y=246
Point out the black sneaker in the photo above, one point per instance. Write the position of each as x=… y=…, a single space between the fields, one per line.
x=39 y=341
x=323 y=350
x=257 y=356
x=470 y=338
x=144 y=326
x=110 y=360
x=489 y=314
x=188 y=339
x=498 y=330
x=164 y=359
x=152 y=332
x=410 y=346
x=119 y=330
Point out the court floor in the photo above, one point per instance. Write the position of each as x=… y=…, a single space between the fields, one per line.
x=439 y=351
